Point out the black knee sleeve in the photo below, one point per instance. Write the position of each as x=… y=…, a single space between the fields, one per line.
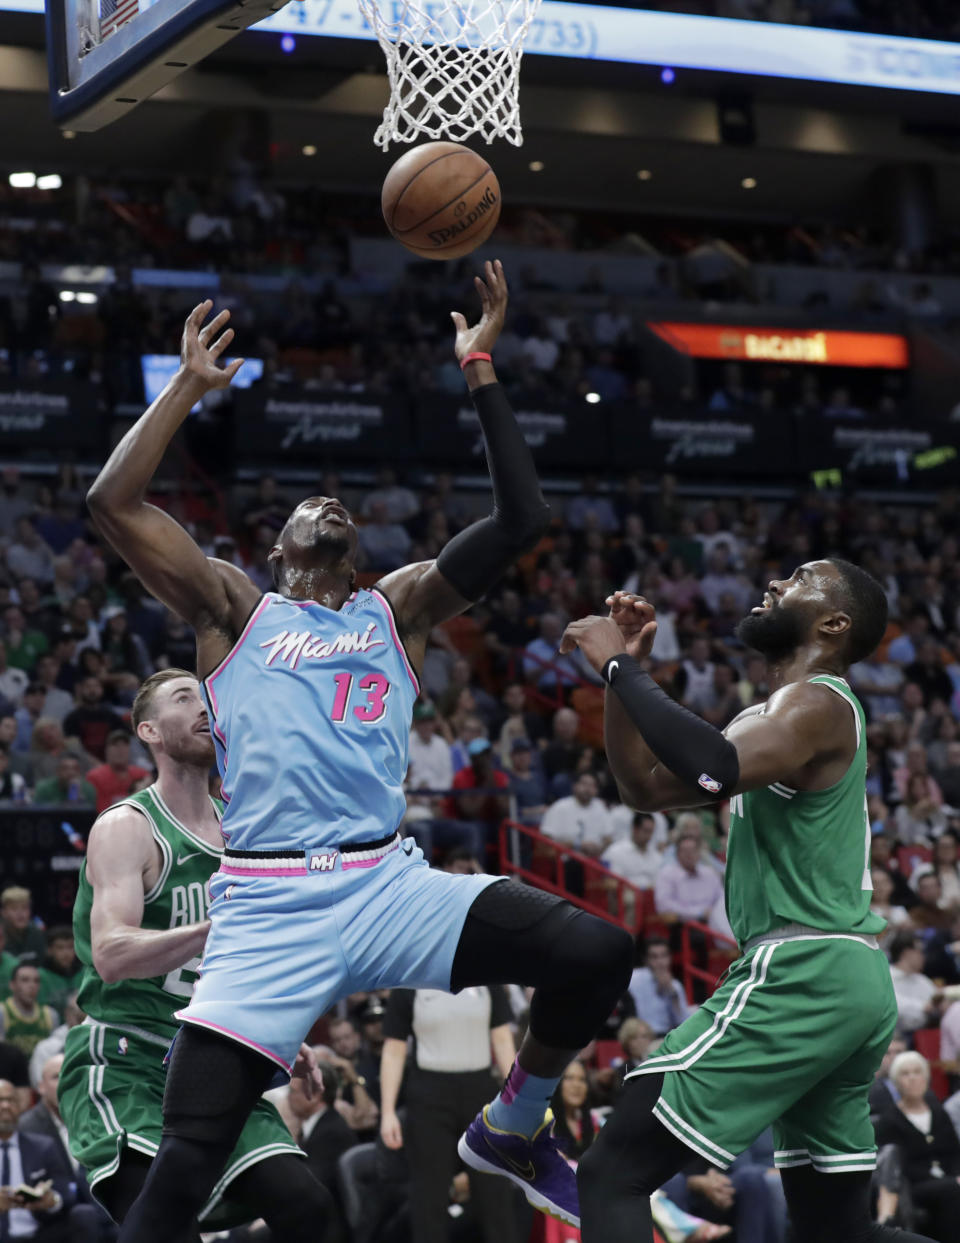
x=283 y=1191
x=835 y=1208
x=580 y=965
x=212 y=1085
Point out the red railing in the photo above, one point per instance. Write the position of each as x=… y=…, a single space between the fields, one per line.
x=610 y=897
x=549 y=697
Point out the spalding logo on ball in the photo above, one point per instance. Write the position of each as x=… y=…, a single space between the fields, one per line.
x=441 y=200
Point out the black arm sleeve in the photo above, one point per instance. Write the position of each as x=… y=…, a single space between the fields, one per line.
x=691 y=748
x=500 y=1012
x=477 y=558
x=398 y=1019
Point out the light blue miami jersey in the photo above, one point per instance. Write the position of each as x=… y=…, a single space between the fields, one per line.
x=310 y=714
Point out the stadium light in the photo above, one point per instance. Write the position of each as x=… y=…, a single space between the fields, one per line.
x=88 y=299
x=309 y=149
x=644 y=174
x=536 y=166
x=22 y=181
x=592 y=398
x=67 y=295
x=50 y=181
x=749 y=183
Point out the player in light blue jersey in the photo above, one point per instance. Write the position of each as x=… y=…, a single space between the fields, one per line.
x=310 y=690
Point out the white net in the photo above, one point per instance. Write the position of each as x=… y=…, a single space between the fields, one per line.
x=454 y=68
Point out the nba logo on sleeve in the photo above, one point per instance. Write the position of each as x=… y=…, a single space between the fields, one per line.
x=323 y=862
x=709 y=784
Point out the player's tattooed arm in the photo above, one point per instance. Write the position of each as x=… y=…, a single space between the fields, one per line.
x=123 y=863
x=161 y=553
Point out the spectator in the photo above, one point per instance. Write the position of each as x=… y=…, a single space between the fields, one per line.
x=27 y=715
x=13 y=787
x=125 y=653
x=48 y=1218
x=946 y=867
x=588 y=508
x=689 y=888
x=13 y=681
x=581 y=820
x=694 y=682
x=29 y=556
x=518 y=722
x=430 y=764
x=636 y=858
x=477 y=797
x=927 y=672
x=878 y=682
x=267 y=507
x=543 y=664
x=447 y=1082
x=116 y=778
x=564 y=753
x=635 y=1036
x=528 y=785
x=720 y=581
x=929 y=1145
x=57 y=702
x=14 y=505
x=322 y=1133
x=349 y=1058
x=86 y=1219
x=55 y=1043
x=400 y=504
x=920 y=817
x=576 y=1125
x=884 y=1093
x=903 y=649
x=725 y=696
x=24 y=937
x=68 y=786
x=659 y=997
x=883 y=905
x=24 y=646
x=61 y=969
x=23 y=1021
x=881 y=856
x=92 y=721
x=384 y=544
x=928 y=914
x=919 y=1002
x=948 y=777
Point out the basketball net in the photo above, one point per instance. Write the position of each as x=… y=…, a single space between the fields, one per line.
x=454 y=68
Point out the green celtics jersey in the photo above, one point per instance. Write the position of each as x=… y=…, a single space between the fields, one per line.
x=26 y=1033
x=180 y=896
x=803 y=856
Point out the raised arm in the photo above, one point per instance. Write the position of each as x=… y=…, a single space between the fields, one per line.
x=121 y=856
x=804 y=735
x=207 y=594
x=472 y=562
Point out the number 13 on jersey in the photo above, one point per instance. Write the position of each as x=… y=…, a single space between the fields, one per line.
x=373 y=689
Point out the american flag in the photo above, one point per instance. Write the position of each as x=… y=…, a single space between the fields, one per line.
x=113 y=14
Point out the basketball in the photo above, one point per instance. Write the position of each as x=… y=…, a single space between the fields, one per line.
x=441 y=200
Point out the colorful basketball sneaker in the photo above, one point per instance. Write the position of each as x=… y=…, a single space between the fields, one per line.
x=535 y=1165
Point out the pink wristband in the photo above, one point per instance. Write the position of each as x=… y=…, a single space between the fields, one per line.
x=476 y=358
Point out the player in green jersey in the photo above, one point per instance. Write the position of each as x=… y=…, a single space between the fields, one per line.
x=796 y=1031
x=140 y=923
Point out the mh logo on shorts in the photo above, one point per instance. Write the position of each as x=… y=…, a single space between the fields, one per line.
x=324 y=862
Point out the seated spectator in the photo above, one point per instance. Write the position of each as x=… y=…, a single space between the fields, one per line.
x=29 y=556
x=948 y=775
x=947 y=869
x=920 y=817
x=60 y=970
x=463 y=678
x=47 y=1218
x=884 y=1093
x=125 y=653
x=589 y=505
x=92 y=721
x=465 y=728
x=575 y=1124
x=636 y=858
x=693 y=684
x=903 y=649
x=68 y=786
x=581 y=820
x=87 y=1220
x=57 y=702
x=431 y=767
x=543 y=664
x=658 y=996
x=883 y=905
x=116 y=778
x=927 y=672
x=518 y=722
x=384 y=544
x=13 y=787
x=528 y=785
x=689 y=888
x=881 y=856
x=725 y=698
x=635 y=1036
x=930 y=1148
x=477 y=798
x=720 y=581
x=25 y=645
x=27 y=715
x=564 y=753
x=942 y=956
x=928 y=914
x=321 y=1131
x=23 y=1021
x=13 y=681
x=877 y=682
x=741 y=1197
x=400 y=503
x=916 y=765
x=919 y=1001
x=24 y=937
x=55 y=1043
x=358 y=1073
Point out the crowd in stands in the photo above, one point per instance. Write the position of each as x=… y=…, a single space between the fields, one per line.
x=924 y=19
x=507 y=728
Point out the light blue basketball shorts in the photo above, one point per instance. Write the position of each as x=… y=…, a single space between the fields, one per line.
x=292 y=934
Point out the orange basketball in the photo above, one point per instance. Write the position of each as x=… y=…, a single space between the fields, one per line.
x=441 y=200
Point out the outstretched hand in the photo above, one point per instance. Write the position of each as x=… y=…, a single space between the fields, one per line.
x=482 y=337
x=201 y=347
x=307 y=1068
x=630 y=628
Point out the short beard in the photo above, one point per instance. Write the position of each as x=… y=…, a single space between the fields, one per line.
x=194 y=750
x=776 y=633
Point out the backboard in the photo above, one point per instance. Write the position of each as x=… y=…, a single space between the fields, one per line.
x=105 y=56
